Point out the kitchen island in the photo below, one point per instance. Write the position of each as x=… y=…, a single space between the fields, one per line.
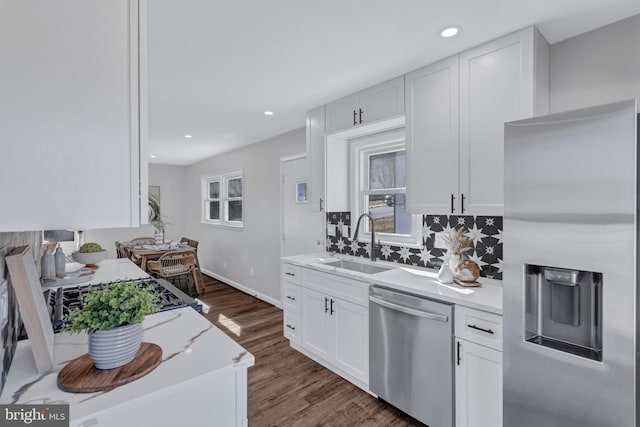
x=201 y=380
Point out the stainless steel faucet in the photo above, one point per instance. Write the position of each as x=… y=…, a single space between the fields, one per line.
x=374 y=246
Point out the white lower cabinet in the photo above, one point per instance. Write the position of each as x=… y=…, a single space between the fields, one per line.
x=327 y=318
x=337 y=331
x=478 y=368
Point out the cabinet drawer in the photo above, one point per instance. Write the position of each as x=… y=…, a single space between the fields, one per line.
x=292 y=326
x=291 y=273
x=479 y=327
x=291 y=297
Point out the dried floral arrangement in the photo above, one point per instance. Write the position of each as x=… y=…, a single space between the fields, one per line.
x=457 y=242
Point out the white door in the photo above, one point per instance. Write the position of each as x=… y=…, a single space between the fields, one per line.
x=315 y=324
x=302 y=230
x=352 y=338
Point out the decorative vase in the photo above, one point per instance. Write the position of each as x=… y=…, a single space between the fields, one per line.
x=454 y=259
x=444 y=274
x=160 y=236
x=115 y=347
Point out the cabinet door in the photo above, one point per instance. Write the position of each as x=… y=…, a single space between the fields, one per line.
x=496 y=86
x=351 y=339
x=432 y=138
x=315 y=323
x=342 y=114
x=478 y=385
x=383 y=101
x=70 y=115
x=316 y=157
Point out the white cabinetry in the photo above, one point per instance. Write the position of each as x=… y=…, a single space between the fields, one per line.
x=377 y=103
x=333 y=326
x=500 y=81
x=478 y=374
x=73 y=115
x=291 y=296
x=316 y=157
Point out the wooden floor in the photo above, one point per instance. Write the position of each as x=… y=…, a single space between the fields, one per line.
x=285 y=387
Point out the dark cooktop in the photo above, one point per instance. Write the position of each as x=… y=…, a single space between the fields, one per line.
x=60 y=301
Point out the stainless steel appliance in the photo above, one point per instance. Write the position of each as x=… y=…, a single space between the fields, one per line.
x=570 y=269
x=411 y=354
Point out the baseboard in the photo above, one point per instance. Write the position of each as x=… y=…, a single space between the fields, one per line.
x=243 y=288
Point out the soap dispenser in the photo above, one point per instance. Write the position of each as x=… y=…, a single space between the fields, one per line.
x=59 y=261
x=47 y=264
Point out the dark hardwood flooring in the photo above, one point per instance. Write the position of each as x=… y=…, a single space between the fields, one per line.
x=285 y=387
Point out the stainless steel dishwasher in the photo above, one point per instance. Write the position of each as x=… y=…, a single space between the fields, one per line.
x=411 y=354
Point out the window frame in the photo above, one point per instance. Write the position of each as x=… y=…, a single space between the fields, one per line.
x=223 y=199
x=360 y=149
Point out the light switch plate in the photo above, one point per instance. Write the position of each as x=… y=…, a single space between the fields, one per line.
x=345 y=231
x=331 y=230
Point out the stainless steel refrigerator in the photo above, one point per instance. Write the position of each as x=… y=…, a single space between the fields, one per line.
x=570 y=269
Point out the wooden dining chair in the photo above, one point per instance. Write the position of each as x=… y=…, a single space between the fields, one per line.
x=143 y=239
x=122 y=251
x=175 y=265
x=199 y=280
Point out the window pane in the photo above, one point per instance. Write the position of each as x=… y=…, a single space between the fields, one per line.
x=387 y=170
x=214 y=210
x=389 y=213
x=234 y=187
x=235 y=210
x=214 y=190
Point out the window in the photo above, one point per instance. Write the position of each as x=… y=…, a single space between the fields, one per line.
x=378 y=178
x=223 y=199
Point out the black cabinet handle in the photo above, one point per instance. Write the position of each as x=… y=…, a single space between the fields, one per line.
x=458 y=353
x=291 y=298
x=462 y=202
x=360 y=115
x=321 y=204
x=355 y=121
x=326 y=301
x=452 y=199
x=290 y=274
x=488 y=331
x=332 y=310
x=293 y=328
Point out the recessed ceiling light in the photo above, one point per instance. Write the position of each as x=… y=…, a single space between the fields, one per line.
x=228 y=135
x=153 y=156
x=449 y=31
x=188 y=136
x=268 y=113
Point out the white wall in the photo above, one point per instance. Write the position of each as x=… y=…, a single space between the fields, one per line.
x=256 y=246
x=172 y=182
x=597 y=67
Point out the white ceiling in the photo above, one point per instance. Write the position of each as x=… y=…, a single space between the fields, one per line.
x=215 y=66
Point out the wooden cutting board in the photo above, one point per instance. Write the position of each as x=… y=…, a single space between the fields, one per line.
x=81 y=376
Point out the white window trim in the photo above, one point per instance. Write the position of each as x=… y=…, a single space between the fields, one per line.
x=362 y=147
x=223 y=199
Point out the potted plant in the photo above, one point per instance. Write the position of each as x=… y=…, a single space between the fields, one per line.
x=89 y=254
x=112 y=318
x=160 y=225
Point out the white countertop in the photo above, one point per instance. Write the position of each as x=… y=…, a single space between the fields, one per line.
x=415 y=280
x=193 y=350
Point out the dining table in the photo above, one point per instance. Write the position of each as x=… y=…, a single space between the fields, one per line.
x=148 y=251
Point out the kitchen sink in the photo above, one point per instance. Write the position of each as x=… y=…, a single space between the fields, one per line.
x=357 y=266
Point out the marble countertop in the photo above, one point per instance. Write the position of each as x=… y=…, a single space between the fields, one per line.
x=193 y=351
x=417 y=281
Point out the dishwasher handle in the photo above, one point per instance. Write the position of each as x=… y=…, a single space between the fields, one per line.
x=411 y=311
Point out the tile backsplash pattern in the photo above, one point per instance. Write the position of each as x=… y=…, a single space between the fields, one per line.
x=485 y=231
x=10 y=330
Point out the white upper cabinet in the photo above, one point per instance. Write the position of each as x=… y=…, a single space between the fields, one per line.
x=72 y=116
x=316 y=157
x=497 y=85
x=377 y=103
x=432 y=132
x=456 y=150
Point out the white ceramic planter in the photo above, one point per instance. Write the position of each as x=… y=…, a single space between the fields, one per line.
x=115 y=347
